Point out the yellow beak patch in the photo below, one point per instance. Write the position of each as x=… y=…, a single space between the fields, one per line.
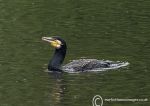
x=56 y=43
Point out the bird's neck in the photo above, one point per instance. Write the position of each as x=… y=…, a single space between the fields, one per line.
x=57 y=59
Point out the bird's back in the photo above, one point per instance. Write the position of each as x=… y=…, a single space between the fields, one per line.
x=86 y=64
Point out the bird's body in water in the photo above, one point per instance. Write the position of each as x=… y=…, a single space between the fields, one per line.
x=76 y=65
x=85 y=64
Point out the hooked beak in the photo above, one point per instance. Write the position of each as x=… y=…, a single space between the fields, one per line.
x=54 y=42
x=47 y=39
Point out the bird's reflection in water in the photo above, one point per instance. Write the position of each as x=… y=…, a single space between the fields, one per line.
x=58 y=88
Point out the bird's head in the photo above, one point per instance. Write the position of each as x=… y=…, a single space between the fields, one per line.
x=55 y=41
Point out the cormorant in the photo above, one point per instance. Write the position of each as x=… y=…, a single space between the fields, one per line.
x=76 y=65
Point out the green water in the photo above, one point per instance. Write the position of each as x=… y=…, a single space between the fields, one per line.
x=111 y=30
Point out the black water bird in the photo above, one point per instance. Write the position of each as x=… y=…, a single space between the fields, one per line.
x=76 y=65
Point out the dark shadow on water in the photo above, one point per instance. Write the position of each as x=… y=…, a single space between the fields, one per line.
x=58 y=87
x=56 y=75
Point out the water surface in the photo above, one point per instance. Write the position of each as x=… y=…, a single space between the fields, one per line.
x=114 y=30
